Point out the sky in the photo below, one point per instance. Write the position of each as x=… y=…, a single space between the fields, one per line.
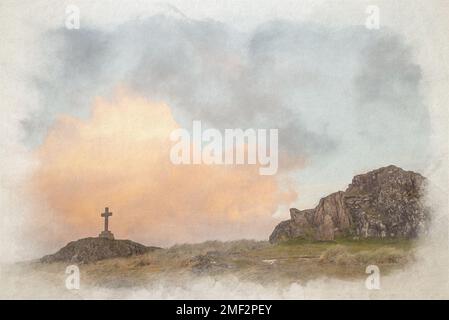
x=87 y=113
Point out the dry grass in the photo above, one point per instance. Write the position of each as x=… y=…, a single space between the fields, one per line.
x=250 y=260
x=342 y=256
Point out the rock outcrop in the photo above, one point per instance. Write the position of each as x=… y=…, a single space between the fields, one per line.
x=211 y=262
x=387 y=202
x=93 y=249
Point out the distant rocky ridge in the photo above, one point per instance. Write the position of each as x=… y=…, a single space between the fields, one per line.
x=93 y=249
x=387 y=202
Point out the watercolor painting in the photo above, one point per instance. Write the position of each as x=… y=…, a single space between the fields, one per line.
x=224 y=149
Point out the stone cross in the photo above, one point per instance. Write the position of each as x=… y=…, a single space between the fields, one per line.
x=106 y=233
x=106 y=214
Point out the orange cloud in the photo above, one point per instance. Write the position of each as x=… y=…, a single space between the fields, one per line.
x=119 y=157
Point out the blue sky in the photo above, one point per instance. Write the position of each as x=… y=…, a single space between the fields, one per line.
x=345 y=100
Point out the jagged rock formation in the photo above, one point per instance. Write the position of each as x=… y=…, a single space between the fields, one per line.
x=386 y=202
x=93 y=249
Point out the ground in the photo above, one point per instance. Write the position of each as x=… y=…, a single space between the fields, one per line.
x=255 y=261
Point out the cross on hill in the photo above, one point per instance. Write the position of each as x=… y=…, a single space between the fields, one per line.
x=106 y=233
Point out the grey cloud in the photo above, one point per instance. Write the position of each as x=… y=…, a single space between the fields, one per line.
x=327 y=91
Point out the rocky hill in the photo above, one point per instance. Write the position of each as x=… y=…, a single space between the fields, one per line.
x=93 y=249
x=384 y=203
